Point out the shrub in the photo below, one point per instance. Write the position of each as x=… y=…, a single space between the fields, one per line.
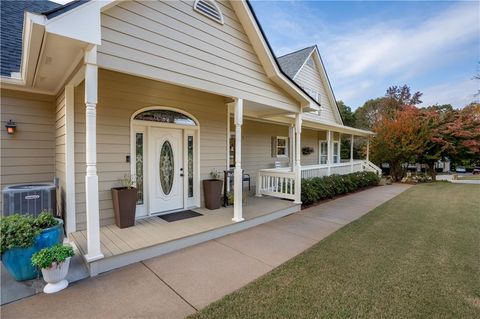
x=20 y=230
x=319 y=188
x=46 y=257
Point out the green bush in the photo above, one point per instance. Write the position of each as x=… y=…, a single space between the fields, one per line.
x=55 y=254
x=20 y=230
x=319 y=188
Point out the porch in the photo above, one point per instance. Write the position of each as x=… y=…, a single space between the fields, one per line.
x=153 y=236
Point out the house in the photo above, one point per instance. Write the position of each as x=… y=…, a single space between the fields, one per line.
x=167 y=91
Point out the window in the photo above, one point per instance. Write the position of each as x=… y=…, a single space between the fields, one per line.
x=210 y=9
x=231 y=150
x=165 y=116
x=190 y=164
x=312 y=93
x=279 y=146
x=323 y=152
x=336 y=157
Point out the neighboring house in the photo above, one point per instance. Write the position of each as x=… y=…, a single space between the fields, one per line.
x=100 y=89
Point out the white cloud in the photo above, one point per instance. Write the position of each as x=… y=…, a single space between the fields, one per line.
x=457 y=93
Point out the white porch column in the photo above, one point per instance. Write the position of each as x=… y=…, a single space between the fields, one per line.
x=368 y=148
x=351 y=152
x=291 y=141
x=298 y=166
x=91 y=178
x=238 y=173
x=329 y=151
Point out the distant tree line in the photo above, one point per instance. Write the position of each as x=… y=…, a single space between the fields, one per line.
x=406 y=133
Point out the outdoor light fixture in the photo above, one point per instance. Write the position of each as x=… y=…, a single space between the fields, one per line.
x=11 y=126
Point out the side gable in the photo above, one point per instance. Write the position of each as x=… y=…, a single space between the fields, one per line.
x=313 y=77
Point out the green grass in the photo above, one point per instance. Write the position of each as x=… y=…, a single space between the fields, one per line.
x=470 y=177
x=417 y=255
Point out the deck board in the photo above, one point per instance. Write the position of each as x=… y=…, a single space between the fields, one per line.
x=153 y=231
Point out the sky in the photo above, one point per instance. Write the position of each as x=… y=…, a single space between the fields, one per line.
x=434 y=47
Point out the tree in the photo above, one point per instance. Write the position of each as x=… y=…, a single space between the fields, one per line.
x=403 y=96
x=399 y=139
x=346 y=113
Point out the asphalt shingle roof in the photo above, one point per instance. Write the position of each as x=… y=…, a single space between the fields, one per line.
x=11 y=30
x=292 y=62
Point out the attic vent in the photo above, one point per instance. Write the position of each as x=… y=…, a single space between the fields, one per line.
x=210 y=9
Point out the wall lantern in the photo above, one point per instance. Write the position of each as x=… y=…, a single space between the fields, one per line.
x=11 y=126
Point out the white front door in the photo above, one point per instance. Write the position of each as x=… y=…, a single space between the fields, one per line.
x=165 y=170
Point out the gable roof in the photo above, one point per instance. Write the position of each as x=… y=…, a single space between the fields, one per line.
x=11 y=28
x=292 y=62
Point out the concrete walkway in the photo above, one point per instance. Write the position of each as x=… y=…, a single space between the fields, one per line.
x=178 y=284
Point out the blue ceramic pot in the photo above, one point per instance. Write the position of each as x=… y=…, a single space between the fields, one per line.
x=18 y=260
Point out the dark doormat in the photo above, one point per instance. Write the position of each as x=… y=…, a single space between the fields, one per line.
x=173 y=217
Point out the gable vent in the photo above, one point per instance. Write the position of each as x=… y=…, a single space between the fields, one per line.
x=210 y=9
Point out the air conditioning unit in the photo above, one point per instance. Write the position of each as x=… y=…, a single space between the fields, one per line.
x=29 y=199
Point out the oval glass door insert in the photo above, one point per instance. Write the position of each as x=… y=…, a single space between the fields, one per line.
x=167 y=168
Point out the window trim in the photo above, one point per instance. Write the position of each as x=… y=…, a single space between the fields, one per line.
x=286 y=139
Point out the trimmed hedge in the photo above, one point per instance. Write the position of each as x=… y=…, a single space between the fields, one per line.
x=319 y=188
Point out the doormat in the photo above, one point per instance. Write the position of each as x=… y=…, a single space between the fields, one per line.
x=173 y=217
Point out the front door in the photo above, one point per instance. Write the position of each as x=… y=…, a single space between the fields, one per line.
x=165 y=178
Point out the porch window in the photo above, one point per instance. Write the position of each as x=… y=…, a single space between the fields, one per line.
x=336 y=157
x=139 y=166
x=165 y=116
x=279 y=146
x=323 y=152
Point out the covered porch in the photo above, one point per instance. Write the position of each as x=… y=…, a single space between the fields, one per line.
x=153 y=236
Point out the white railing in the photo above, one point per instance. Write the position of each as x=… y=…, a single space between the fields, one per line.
x=276 y=182
x=311 y=171
x=370 y=167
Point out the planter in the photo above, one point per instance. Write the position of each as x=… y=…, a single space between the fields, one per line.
x=212 y=192
x=17 y=260
x=124 y=206
x=55 y=277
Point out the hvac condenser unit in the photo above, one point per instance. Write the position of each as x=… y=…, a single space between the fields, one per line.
x=29 y=199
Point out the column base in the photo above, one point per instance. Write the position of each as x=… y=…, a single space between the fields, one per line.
x=238 y=219
x=89 y=258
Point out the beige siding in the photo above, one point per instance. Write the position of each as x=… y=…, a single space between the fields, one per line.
x=309 y=77
x=169 y=41
x=120 y=96
x=28 y=156
x=60 y=139
x=310 y=139
x=257 y=146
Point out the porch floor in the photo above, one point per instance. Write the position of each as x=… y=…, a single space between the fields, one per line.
x=152 y=231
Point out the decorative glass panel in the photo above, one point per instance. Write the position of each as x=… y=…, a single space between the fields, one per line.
x=165 y=116
x=139 y=166
x=190 y=165
x=167 y=169
x=323 y=153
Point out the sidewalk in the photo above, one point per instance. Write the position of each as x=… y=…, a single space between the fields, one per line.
x=178 y=284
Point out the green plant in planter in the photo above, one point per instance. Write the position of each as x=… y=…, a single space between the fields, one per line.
x=17 y=231
x=214 y=174
x=57 y=254
x=45 y=220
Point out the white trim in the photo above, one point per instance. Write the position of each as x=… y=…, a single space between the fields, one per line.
x=135 y=126
x=71 y=224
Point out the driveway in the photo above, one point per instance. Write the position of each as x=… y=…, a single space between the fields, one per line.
x=180 y=283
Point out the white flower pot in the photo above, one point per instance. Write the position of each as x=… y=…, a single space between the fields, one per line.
x=55 y=277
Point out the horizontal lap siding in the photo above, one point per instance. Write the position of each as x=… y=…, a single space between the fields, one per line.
x=168 y=40
x=310 y=139
x=257 y=146
x=120 y=96
x=28 y=156
x=310 y=78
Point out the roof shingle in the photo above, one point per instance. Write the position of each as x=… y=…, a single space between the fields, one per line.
x=292 y=62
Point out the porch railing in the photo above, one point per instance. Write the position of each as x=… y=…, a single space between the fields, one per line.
x=370 y=167
x=276 y=182
x=320 y=170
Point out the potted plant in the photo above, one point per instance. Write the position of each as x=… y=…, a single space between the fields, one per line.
x=54 y=262
x=212 y=190
x=21 y=236
x=125 y=202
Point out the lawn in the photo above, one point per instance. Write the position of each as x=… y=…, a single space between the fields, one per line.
x=470 y=177
x=417 y=255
